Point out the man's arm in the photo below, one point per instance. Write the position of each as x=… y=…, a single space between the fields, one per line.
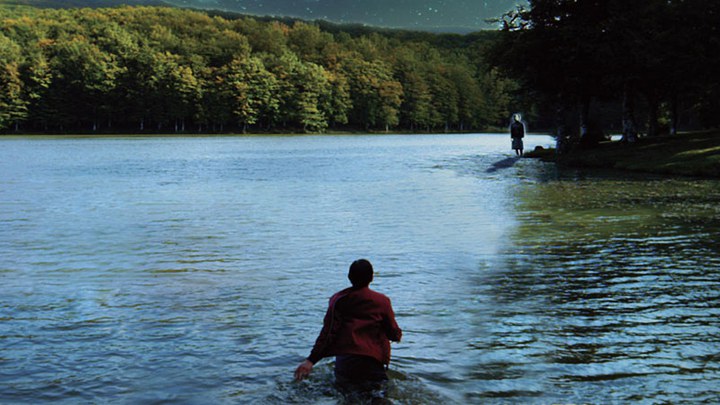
x=392 y=330
x=323 y=338
x=305 y=368
x=321 y=343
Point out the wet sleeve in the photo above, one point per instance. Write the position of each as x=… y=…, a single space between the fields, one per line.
x=323 y=339
x=331 y=324
x=392 y=330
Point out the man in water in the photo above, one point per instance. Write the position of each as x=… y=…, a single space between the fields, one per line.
x=357 y=330
x=517 y=133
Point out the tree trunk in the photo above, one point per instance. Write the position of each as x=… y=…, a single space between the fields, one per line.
x=584 y=117
x=563 y=138
x=629 y=126
x=674 y=116
x=653 y=100
x=653 y=114
x=590 y=135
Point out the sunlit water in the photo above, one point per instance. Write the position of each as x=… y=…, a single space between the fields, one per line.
x=197 y=270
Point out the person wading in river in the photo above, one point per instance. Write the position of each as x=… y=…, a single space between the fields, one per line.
x=357 y=330
x=517 y=133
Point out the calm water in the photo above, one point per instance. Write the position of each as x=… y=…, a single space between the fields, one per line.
x=197 y=270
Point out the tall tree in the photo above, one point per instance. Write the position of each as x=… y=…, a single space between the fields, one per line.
x=13 y=108
x=416 y=107
x=85 y=75
x=376 y=94
x=251 y=90
x=445 y=99
x=314 y=89
x=147 y=67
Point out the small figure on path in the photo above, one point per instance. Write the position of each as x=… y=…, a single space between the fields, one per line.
x=357 y=330
x=517 y=133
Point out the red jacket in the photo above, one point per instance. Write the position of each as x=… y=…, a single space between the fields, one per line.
x=358 y=321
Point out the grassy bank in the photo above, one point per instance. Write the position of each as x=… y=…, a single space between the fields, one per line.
x=690 y=154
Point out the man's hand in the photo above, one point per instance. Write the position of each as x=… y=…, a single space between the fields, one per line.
x=303 y=370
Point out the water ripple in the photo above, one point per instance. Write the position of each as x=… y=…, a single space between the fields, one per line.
x=187 y=270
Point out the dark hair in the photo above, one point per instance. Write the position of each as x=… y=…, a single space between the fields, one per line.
x=361 y=273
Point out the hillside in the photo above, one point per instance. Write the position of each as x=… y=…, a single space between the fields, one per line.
x=82 y=3
x=166 y=69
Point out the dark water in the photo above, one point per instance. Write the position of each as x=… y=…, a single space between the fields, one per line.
x=197 y=270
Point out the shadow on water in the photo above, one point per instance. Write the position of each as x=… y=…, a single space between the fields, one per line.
x=503 y=164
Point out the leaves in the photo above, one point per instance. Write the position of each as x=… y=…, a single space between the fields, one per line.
x=573 y=51
x=142 y=68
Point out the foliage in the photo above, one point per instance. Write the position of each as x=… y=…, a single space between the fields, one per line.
x=168 y=69
x=572 y=52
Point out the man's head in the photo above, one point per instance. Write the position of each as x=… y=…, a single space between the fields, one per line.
x=517 y=117
x=361 y=273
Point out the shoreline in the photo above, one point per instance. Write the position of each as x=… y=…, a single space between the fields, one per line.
x=685 y=154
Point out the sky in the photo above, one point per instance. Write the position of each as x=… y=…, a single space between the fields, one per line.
x=427 y=15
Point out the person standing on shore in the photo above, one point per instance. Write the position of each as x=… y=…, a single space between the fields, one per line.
x=517 y=133
x=358 y=327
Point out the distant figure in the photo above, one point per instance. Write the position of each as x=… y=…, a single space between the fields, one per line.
x=357 y=330
x=517 y=133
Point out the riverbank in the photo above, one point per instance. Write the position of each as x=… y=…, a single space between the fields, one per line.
x=687 y=154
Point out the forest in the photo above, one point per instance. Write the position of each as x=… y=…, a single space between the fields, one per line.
x=653 y=63
x=164 y=70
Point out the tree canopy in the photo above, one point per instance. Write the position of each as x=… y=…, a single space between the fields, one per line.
x=164 y=69
x=570 y=52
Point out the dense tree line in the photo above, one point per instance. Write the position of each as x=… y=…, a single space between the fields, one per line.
x=166 y=69
x=572 y=54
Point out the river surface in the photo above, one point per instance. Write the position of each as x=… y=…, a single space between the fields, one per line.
x=182 y=270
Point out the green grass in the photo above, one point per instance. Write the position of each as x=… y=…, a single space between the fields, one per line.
x=690 y=154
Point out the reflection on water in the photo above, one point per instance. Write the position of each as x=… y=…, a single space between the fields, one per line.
x=611 y=293
x=183 y=270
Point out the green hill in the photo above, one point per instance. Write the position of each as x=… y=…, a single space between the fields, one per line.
x=82 y=3
x=168 y=69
